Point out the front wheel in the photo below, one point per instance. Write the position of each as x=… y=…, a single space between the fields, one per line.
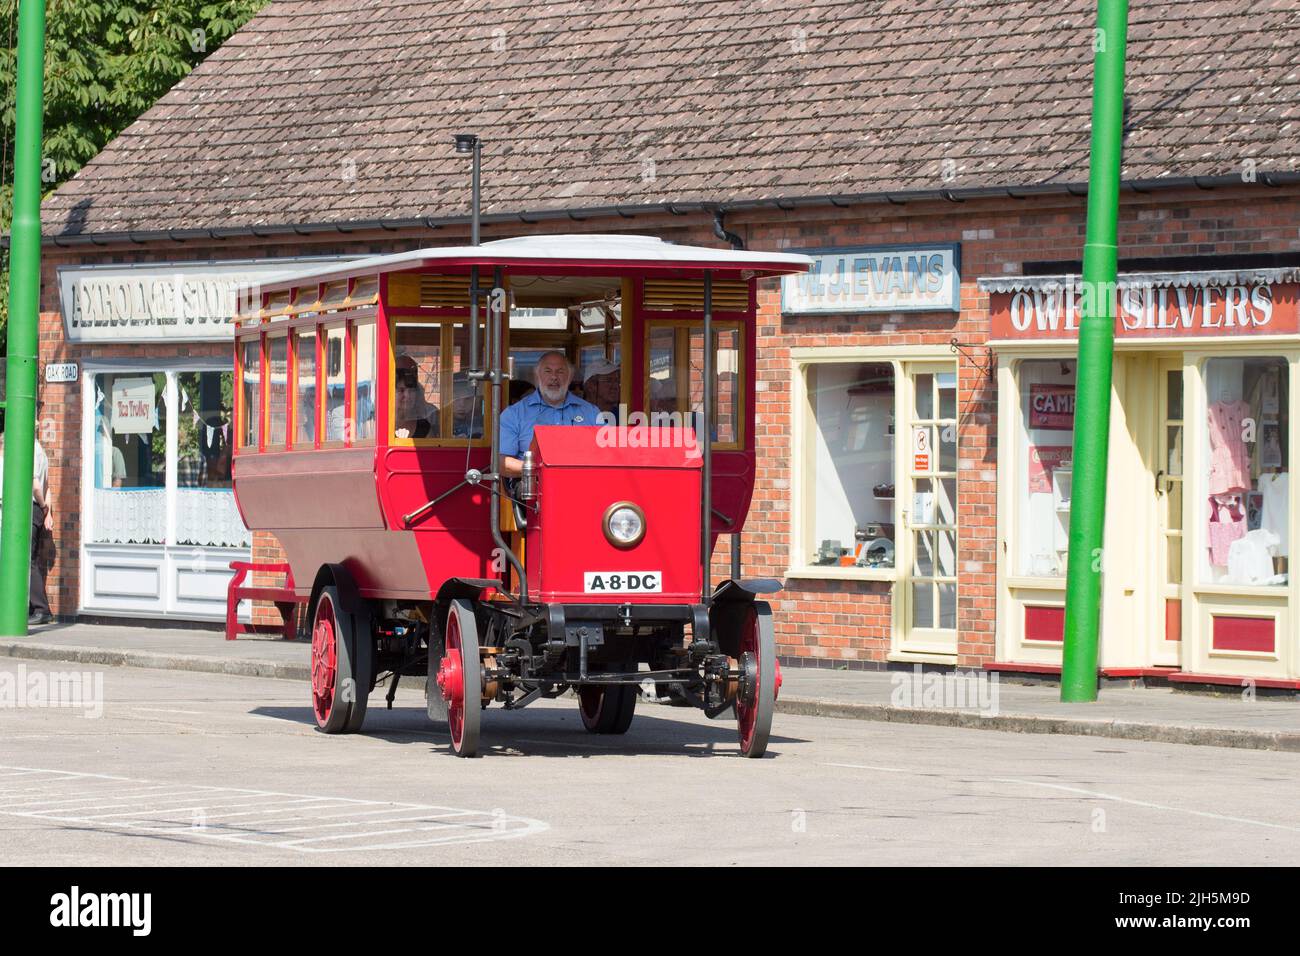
x=459 y=679
x=760 y=680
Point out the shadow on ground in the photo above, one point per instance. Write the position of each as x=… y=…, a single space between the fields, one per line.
x=548 y=732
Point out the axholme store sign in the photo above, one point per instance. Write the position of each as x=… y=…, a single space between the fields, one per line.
x=1175 y=305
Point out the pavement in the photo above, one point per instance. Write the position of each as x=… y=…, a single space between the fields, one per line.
x=978 y=701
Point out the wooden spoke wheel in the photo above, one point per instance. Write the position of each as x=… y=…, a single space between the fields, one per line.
x=460 y=678
x=607 y=710
x=760 y=680
x=340 y=666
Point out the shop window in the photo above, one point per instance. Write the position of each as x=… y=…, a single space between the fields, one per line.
x=417 y=380
x=1247 y=470
x=206 y=514
x=363 y=398
x=251 y=393
x=204 y=429
x=130 y=477
x=1044 y=469
x=675 y=383
x=305 y=400
x=277 y=384
x=850 y=498
x=336 y=383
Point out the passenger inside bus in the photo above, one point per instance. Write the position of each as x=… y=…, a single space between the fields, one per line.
x=414 y=417
x=551 y=403
x=603 y=387
x=466 y=409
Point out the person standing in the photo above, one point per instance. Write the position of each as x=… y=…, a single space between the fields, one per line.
x=38 y=608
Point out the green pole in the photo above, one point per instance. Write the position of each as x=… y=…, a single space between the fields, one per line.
x=24 y=305
x=1096 y=347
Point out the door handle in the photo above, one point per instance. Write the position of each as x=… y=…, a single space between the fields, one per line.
x=1159 y=489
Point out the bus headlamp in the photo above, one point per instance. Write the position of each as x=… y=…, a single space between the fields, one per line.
x=624 y=524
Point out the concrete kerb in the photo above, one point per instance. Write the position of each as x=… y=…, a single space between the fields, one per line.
x=801 y=706
x=236 y=667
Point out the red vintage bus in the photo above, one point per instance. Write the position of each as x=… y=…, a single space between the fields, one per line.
x=368 y=412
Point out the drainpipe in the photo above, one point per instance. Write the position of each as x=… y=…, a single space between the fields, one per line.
x=24 y=305
x=725 y=235
x=1096 y=348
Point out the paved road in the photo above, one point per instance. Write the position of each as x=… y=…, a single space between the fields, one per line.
x=209 y=769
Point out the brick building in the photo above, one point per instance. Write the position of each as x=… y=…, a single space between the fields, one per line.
x=915 y=394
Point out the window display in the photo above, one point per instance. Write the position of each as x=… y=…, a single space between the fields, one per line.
x=1247 y=472
x=1044 y=467
x=853 y=494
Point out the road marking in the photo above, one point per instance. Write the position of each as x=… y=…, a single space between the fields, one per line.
x=219 y=814
x=1095 y=794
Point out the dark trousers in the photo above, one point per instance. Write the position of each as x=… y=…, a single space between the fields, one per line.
x=42 y=553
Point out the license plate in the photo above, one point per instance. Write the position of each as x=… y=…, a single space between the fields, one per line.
x=622 y=582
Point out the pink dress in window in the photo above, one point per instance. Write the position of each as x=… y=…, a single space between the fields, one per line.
x=1229 y=460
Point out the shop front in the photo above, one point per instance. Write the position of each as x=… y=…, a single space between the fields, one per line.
x=146 y=368
x=1200 y=509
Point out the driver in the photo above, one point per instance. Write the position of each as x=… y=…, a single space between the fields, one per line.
x=551 y=403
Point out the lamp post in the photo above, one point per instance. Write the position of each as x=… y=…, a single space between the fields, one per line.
x=24 y=302
x=466 y=144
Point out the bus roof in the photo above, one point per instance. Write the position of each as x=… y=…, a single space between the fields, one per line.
x=590 y=250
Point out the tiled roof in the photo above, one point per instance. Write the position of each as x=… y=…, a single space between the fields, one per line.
x=337 y=111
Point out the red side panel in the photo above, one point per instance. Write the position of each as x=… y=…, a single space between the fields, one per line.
x=1044 y=623
x=1243 y=633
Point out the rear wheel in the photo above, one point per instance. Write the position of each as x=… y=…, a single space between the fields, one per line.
x=459 y=678
x=760 y=680
x=340 y=666
x=609 y=709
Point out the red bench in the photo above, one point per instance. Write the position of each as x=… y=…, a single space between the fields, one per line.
x=283 y=597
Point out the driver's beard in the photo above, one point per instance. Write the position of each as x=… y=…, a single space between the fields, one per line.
x=553 y=396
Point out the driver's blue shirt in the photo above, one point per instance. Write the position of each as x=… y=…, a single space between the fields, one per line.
x=518 y=421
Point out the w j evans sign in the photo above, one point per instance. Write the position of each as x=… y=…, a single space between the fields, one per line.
x=155 y=302
x=1148 y=307
x=876 y=279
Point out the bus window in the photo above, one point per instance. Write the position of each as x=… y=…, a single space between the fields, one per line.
x=335 y=384
x=305 y=404
x=675 y=380
x=726 y=385
x=251 y=397
x=363 y=399
x=417 y=382
x=466 y=402
x=277 y=383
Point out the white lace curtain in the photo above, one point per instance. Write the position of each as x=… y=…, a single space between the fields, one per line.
x=206 y=517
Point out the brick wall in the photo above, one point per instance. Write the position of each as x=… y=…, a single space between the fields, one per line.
x=831 y=620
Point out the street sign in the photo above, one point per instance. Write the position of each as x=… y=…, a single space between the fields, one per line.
x=61 y=372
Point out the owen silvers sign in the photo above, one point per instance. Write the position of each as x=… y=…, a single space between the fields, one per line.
x=876 y=279
x=160 y=302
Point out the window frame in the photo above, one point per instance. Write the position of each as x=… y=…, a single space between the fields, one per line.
x=802 y=464
x=335 y=321
x=362 y=317
x=270 y=335
x=242 y=446
x=446 y=345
